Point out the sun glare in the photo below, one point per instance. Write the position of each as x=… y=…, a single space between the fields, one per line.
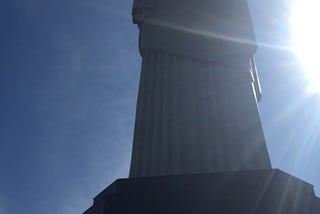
x=305 y=25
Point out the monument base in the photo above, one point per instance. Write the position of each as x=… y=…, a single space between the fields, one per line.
x=269 y=191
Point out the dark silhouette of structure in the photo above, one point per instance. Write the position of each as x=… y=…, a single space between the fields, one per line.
x=197 y=107
x=198 y=144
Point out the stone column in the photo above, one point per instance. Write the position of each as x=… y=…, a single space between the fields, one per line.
x=197 y=104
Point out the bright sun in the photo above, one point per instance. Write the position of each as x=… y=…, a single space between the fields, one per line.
x=305 y=24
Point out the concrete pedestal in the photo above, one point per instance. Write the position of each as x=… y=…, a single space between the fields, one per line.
x=240 y=192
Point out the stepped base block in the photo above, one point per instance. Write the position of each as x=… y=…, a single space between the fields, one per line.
x=269 y=191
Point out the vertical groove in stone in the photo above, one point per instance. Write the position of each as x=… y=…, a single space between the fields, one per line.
x=228 y=80
x=149 y=118
x=181 y=119
x=165 y=149
x=155 y=112
x=220 y=126
x=170 y=145
x=199 y=116
x=175 y=138
x=187 y=122
x=236 y=127
x=159 y=140
x=208 y=117
x=204 y=135
x=191 y=114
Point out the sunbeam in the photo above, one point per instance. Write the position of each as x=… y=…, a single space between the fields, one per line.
x=305 y=29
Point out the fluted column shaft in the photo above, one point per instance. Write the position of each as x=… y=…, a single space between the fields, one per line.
x=197 y=112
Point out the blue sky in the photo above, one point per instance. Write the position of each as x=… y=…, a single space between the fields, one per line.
x=69 y=73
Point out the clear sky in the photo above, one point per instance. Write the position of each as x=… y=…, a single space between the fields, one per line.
x=69 y=73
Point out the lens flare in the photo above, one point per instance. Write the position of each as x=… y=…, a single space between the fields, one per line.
x=305 y=27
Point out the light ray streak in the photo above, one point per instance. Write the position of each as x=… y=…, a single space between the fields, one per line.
x=214 y=35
